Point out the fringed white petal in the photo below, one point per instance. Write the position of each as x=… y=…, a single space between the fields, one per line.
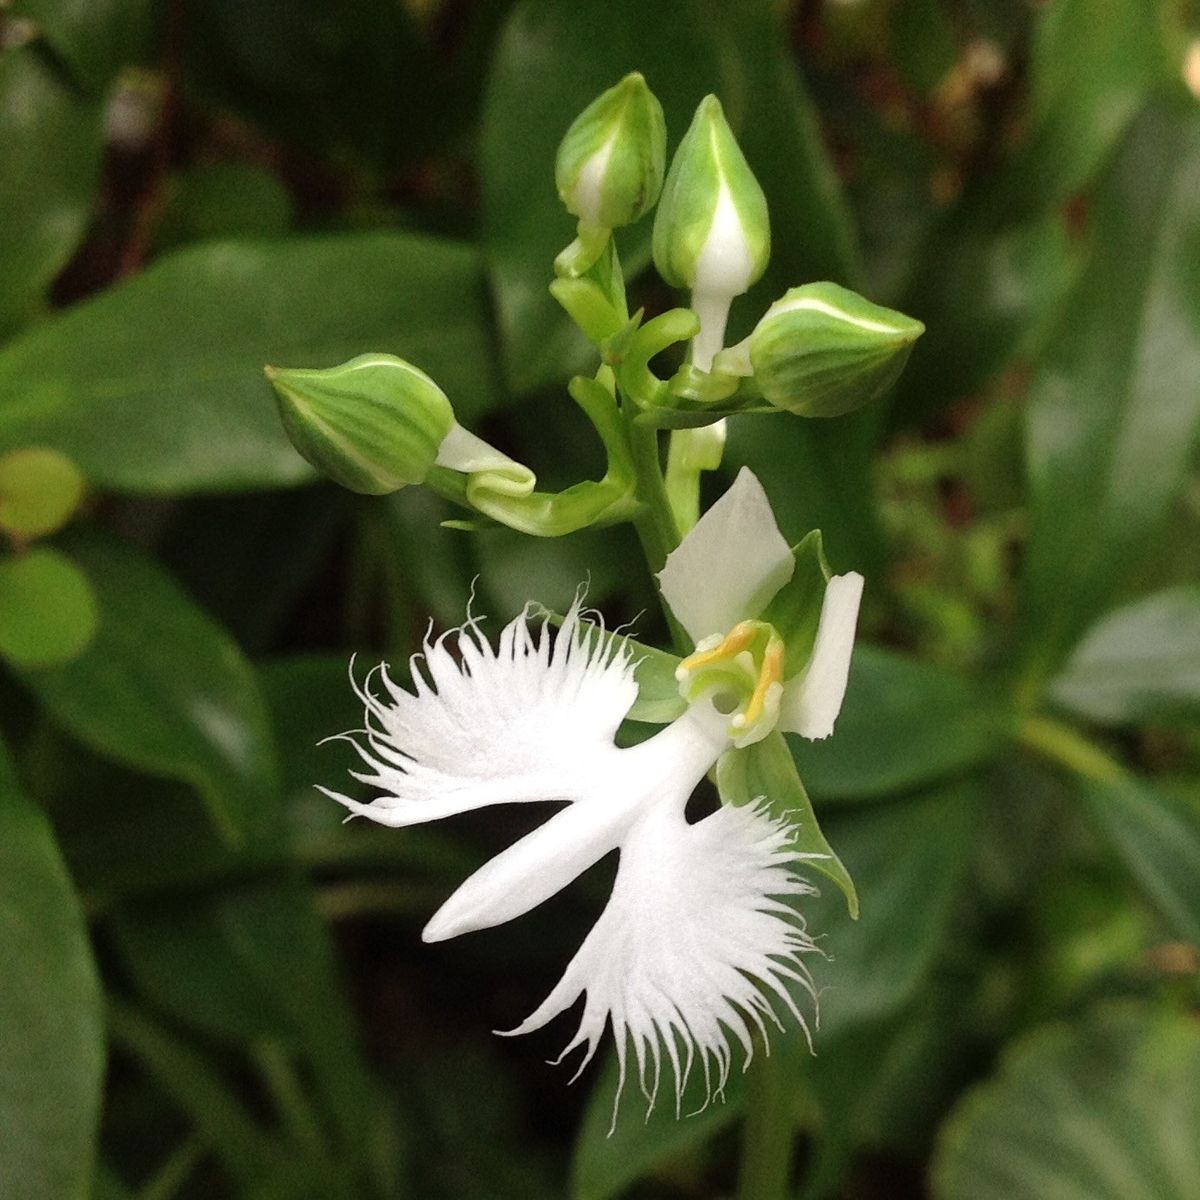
x=811 y=702
x=695 y=950
x=525 y=721
x=731 y=563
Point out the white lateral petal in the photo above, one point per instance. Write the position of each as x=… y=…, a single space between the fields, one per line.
x=730 y=565
x=812 y=701
x=524 y=721
x=694 y=947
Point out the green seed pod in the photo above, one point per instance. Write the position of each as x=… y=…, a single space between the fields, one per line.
x=823 y=350
x=610 y=164
x=374 y=424
x=711 y=231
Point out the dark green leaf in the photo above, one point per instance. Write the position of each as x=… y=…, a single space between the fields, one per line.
x=911 y=858
x=94 y=38
x=1137 y=662
x=1093 y=64
x=157 y=385
x=164 y=689
x=904 y=724
x=766 y=770
x=50 y=145
x=52 y=1051
x=609 y=1157
x=1103 y=1110
x=47 y=609
x=252 y=963
x=1157 y=834
x=1114 y=410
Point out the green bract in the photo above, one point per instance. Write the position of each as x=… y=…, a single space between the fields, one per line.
x=823 y=350
x=374 y=424
x=711 y=230
x=610 y=164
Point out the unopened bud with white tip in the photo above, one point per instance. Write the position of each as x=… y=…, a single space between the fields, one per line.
x=711 y=232
x=610 y=164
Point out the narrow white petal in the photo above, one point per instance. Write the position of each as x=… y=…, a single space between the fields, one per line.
x=812 y=701
x=691 y=950
x=524 y=721
x=615 y=787
x=531 y=870
x=730 y=565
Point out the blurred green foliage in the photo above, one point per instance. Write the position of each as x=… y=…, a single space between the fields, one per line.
x=208 y=986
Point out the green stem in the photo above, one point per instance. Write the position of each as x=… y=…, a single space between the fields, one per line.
x=1063 y=745
x=767 y=1133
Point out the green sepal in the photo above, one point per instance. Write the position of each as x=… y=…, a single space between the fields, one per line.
x=40 y=490
x=48 y=610
x=707 y=162
x=656 y=335
x=765 y=770
x=658 y=701
x=823 y=350
x=796 y=607
x=625 y=125
x=373 y=424
x=592 y=503
x=595 y=300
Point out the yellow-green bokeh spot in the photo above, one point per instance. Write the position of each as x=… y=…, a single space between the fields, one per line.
x=40 y=490
x=47 y=609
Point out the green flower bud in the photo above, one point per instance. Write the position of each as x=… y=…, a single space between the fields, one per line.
x=711 y=231
x=823 y=350
x=374 y=424
x=610 y=164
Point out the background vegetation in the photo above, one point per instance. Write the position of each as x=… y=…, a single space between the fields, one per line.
x=209 y=987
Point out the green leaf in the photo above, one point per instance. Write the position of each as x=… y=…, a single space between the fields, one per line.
x=766 y=770
x=912 y=857
x=165 y=690
x=1106 y=1109
x=157 y=385
x=1093 y=63
x=47 y=609
x=1137 y=662
x=252 y=963
x=1113 y=411
x=904 y=724
x=1157 y=834
x=95 y=38
x=52 y=1051
x=50 y=145
x=608 y=1157
x=549 y=63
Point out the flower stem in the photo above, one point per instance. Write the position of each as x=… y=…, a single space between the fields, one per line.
x=1061 y=744
x=767 y=1134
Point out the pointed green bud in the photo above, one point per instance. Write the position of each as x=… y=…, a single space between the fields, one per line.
x=823 y=350
x=711 y=231
x=374 y=424
x=610 y=164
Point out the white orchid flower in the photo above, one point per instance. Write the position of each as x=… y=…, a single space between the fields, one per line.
x=698 y=943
